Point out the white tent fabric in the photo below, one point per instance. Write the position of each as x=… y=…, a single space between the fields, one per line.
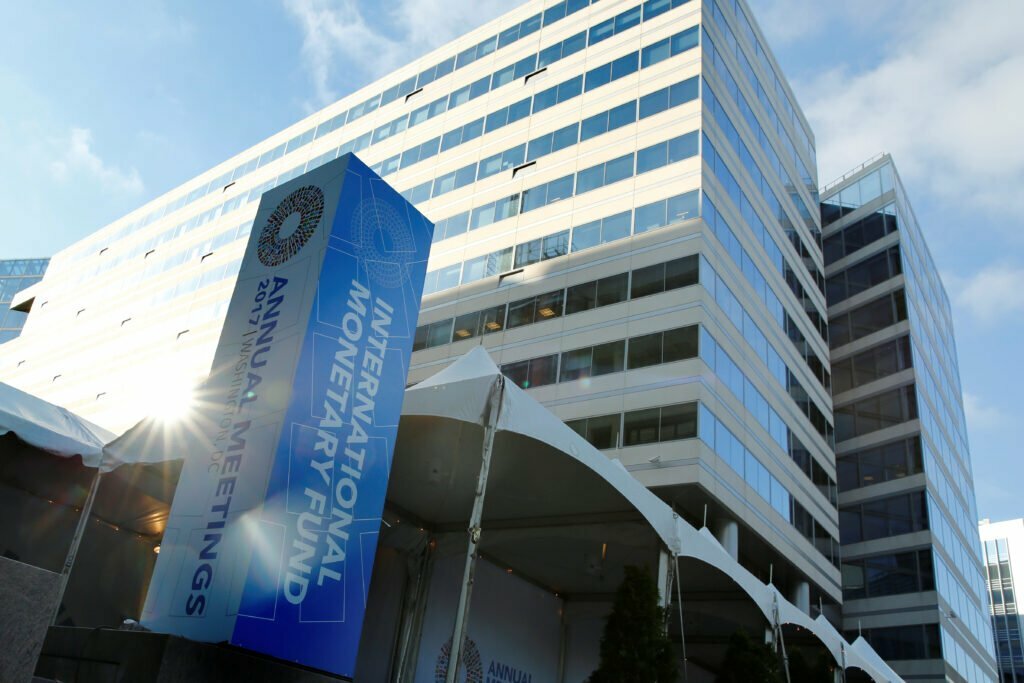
x=462 y=391
x=50 y=428
x=868 y=655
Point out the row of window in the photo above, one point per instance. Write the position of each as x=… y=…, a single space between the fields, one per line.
x=904 y=513
x=681 y=421
x=595 y=78
x=621 y=225
x=675 y=44
x=592 y=361
x=867 y=319
x=761 y=54
x=407 y=87
x=819 y=368
x=891 y=574
x=743 y=389
x=803 y=208
x=617 y=117
x=871 y=414
x=757 y=340
x=916 y=641
x=639 y=427
x=871 y=365
x=854 y=196
x=864 y=275
x=721 y=171
x=597 y=176
x=879 y=464
x=642 y=282
x=720 y=439
x=9 y=286
x=859 y=234
x=660 y=277
x=23 y=267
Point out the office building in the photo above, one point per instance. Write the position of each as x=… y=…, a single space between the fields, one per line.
x=16 y=275
x=627 y=217
x=1002 y=544
x=912 y=580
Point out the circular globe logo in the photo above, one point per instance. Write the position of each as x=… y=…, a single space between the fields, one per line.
x=472 y=667
x=290 y=226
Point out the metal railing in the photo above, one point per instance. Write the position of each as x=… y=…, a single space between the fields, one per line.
x=852 y=172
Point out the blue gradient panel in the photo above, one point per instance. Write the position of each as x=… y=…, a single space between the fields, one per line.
x=314 y=539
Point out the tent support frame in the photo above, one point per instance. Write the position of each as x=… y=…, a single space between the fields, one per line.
x=76 y=541
x=469 y=572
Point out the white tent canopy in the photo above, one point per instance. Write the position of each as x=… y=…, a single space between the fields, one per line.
x=49 y=427
x=462 y=393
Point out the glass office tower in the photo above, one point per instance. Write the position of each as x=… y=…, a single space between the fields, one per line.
x=15 y=276
x=912 y=579
x=1002 y=546
x=627 y=218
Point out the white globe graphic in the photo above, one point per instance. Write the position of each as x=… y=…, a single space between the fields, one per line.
x=385 y=242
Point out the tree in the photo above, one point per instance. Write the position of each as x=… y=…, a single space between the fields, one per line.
x=747 y=662
x=634 y=645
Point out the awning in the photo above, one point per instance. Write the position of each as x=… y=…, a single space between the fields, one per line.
x=462 y=392
x=49 y=427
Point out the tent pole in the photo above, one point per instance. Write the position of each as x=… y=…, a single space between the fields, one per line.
x=412 y=615
x=781 y=641
x=682 y=631
x=462 y=611
x=76 y=540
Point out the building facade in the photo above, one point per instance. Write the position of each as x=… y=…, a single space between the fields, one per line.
x=1002 y=545
x=15 y=276
x=912 y=580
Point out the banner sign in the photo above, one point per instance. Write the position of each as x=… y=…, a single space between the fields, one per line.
x=273 y=528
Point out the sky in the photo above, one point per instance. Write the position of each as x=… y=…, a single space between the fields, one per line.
x=106 y=105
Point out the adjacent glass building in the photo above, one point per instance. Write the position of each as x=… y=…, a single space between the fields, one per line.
x=15 y=276
x=1002 y=545
x=912 y=580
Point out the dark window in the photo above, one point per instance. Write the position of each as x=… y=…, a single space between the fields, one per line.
x=645 y=350
x=641 y=426
x=647 y=281
x=901 y=514
x=679 y=422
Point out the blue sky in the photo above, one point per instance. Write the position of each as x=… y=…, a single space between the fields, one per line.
x=106 y=105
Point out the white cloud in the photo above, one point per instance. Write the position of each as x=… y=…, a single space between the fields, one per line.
x=980 y=414
x=78 y=159
x=993 y=294
x=338 y=37
x=944 y=102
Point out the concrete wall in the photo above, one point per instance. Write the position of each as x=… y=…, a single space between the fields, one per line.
x=27 y=596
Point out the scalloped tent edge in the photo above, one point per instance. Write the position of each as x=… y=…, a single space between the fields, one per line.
x=461 y=392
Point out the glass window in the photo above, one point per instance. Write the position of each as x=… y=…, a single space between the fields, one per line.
x=616 y=227
x=647 y=281
x=608 y=358
x=645 y=350
x=678 y=422
x=682 y=272
x=612 y=290
x=618 y=169
x=641 y=426
x=680 y=343
x=586 y=236
x=576 y=364
x=582 y=297
x=466 y=326
x=603 y=432
x=655 y=102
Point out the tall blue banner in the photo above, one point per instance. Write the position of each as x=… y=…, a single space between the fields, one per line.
x=273 y=529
